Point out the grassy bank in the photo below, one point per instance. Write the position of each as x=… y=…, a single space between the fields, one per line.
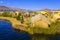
x=53 y=29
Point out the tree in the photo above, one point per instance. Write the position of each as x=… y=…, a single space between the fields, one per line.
x=6 y=14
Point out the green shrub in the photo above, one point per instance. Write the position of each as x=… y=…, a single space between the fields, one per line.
x=51 y=30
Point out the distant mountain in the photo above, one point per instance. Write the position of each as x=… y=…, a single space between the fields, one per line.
x=44 y=9
x=4 y=8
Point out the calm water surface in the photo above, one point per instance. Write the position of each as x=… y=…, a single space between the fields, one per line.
x=7 y=33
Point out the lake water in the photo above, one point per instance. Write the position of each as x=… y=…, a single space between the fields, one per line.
x=7 y=33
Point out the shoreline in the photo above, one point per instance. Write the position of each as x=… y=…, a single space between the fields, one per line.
x=16 y=25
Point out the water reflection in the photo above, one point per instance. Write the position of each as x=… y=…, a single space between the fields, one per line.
x=45 y=37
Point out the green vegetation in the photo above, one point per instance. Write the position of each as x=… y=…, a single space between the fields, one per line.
x=6 y=14
x=53 y=29
x=37 y=33
x=46 y=34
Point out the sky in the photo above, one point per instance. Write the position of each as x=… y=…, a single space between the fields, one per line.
x=31 y=4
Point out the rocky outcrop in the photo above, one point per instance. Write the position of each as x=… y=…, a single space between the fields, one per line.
x=40 y=21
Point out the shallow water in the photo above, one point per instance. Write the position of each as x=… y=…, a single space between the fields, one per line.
x=7 y=33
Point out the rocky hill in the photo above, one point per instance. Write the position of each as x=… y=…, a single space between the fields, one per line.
x=4 y=8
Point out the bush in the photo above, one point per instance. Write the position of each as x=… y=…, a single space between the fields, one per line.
x=53 y=29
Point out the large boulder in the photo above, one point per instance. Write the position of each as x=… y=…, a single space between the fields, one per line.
x=40 y=21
